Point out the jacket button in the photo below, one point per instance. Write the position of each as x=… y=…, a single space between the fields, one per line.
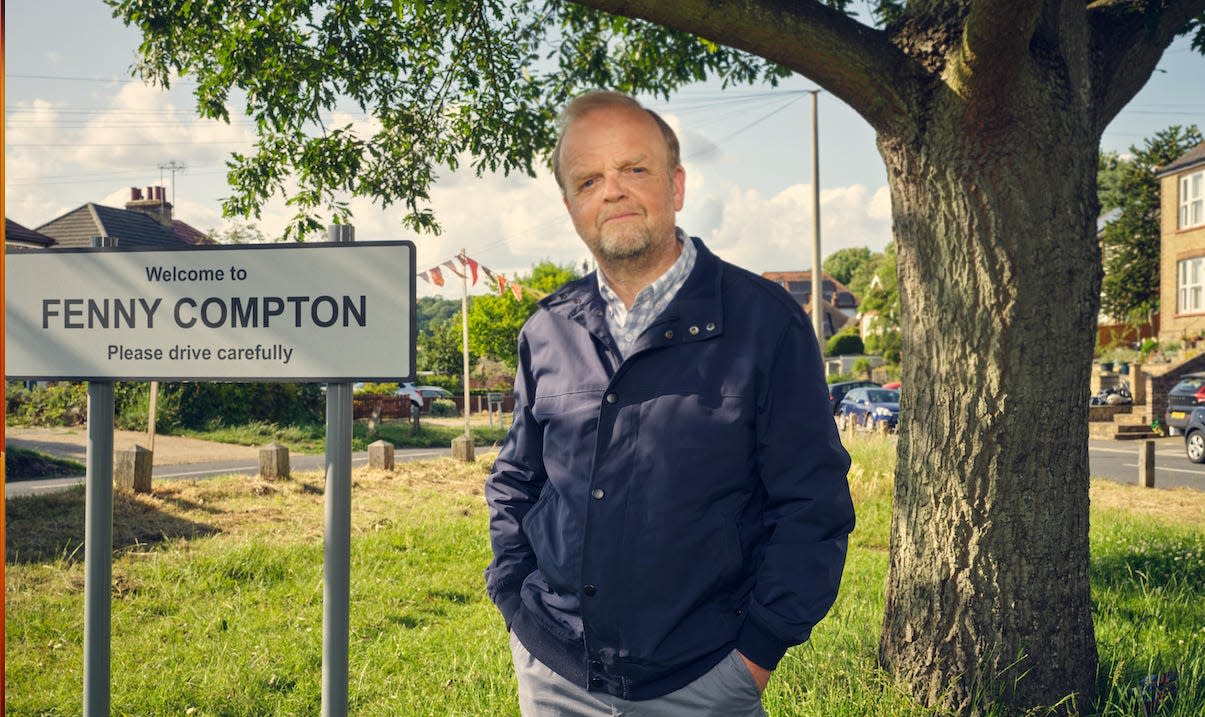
x=694 y=331
x=589 y=590
x=612 y=398
x=596 y=683
x=597 y=493
x=596 y=665
x=669 y=334
x=710 y=326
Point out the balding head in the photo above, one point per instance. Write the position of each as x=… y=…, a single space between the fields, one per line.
x=599 y=99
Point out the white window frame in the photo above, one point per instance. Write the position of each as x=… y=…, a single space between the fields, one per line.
x=1190 y=285
x=1192 y=200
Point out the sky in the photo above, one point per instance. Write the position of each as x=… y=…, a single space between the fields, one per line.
x=78 y=129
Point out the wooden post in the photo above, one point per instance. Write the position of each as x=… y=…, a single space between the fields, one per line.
x=274 y=461
x=151 y=410
x=1146 y=464
x=374 y=419
x=132 y=470
x=462 y=449
x=380 y=455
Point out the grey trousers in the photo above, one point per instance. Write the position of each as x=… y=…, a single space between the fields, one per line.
x=727 y=690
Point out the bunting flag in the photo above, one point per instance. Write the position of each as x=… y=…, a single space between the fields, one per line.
x=435 y=275
x=472 y=266
x=452 y=268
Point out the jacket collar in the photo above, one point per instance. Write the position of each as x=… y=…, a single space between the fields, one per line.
x=694 y=314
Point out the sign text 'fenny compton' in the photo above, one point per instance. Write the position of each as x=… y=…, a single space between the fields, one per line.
x=337 y=311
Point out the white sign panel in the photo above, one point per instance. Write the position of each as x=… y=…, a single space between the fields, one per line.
x=298 y=312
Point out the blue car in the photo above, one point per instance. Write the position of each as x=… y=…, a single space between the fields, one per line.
x=870 y=408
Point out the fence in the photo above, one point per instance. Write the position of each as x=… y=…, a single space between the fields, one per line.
x=399 y=406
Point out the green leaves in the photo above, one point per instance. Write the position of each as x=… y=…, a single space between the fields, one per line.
x=362 y=98
x=1131 y=244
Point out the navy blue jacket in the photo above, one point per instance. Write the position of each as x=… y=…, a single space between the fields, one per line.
x=647 y=515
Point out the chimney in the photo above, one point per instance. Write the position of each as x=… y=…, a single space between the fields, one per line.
x=152 y=204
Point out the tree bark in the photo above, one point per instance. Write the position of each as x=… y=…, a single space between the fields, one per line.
x=988 y=594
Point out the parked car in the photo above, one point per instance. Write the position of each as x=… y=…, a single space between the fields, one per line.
x=1185 y=396
x=870 y=408
x=419 y=395
x=837 y=391
x=433 y=392
x=1194 y=436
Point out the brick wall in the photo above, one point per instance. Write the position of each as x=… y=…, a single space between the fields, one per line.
x=1160 y=386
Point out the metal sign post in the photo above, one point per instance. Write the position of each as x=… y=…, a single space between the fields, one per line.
x=336 y=589
x=98 y=542
x=309 y=313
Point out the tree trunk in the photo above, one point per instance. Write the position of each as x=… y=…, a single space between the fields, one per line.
x=988 y=593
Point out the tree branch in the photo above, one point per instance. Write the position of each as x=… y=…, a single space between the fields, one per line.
x=995 y=43
x=1128 y=39
x=856 y=63
x=999 y=32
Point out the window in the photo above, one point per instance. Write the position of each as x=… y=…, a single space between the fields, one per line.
x=1192 y=200
x=1190 y=284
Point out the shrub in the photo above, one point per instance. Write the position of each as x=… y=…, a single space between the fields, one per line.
x=844 y=343
x=179 y=405
x=888 y=344
x=61 y=403
x=204 y=405
x=377 y=389
x=443 y=408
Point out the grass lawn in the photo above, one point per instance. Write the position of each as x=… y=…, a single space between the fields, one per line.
x=23 y=464
x=311 y=438
x=217 y=600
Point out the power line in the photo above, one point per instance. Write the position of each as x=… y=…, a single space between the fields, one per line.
x=76 y=145
x=76 y=78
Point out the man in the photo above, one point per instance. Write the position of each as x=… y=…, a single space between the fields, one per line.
x=669 y=511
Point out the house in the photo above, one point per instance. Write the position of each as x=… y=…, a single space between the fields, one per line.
x=839 y=305
x=19 y=238
x=1182 y=237
x=146 y=222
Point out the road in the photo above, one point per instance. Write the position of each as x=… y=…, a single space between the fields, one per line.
x=194 y=471
x=1111 y=460
x=1118 y=461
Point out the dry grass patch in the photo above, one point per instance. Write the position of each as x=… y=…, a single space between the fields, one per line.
x=51 y=527
x=1180 y=505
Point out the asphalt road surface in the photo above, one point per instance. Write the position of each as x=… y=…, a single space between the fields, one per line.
x=1110 y=460
x=1118 y=461
x=194 y=471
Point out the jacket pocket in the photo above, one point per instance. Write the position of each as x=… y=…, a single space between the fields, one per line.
x=549 y=529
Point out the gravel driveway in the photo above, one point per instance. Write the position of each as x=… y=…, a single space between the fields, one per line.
x=169 y=450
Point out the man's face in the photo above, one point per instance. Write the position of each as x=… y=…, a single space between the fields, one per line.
x=619 y=188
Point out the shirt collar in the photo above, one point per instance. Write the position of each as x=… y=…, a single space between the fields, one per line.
x=667 y=283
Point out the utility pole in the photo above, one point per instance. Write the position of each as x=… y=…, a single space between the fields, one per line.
x=817 y=284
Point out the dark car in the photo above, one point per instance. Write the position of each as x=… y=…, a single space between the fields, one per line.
x=1194 y=436
x=870 y=408
x=1187 y=395
x=837 y=391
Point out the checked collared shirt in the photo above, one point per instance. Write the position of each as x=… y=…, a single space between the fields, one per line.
x=626 y=325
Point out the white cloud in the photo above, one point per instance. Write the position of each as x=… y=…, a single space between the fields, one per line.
x=774 y=233
x=59 y=157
